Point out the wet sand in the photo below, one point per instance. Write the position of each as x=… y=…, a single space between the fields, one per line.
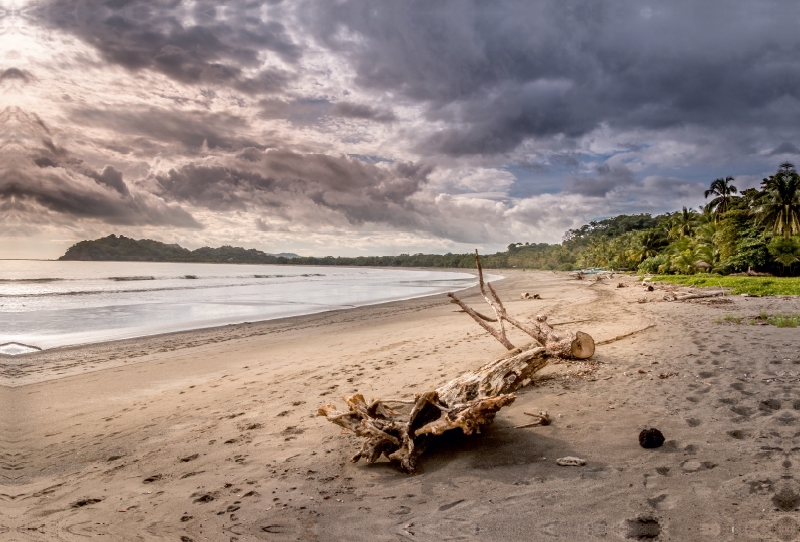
x=212 y=434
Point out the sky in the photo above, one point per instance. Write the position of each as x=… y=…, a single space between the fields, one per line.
x=380 y=127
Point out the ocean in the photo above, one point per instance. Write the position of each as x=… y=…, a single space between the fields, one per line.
x=47 y=304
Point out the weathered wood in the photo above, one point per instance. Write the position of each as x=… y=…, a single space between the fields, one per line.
x=481 y=319
x=698 y=296
x=618 y=337
x=498 y=377
x=468 y=402
x=573 y=345
x=543 y=419
x=569 y=346
x=572 y=322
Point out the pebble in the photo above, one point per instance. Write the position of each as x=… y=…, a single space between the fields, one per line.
x=571 y=461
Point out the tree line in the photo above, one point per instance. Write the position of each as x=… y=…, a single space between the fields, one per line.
x=752 y=230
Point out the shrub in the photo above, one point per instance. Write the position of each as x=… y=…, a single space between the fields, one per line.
x=655 y=264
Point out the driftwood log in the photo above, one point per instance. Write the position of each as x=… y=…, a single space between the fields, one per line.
x=468 y=402
x=402 y=430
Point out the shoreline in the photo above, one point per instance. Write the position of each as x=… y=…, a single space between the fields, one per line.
x=8 y=359
x=59 y=362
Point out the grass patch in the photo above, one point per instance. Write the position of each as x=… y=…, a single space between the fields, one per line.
x=777 y=320
x=729 y=318
x=740 y=285
x=784 y=320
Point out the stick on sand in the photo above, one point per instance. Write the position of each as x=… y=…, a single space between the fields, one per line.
x=618 y=337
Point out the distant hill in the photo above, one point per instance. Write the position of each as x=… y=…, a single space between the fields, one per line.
x=125 y=249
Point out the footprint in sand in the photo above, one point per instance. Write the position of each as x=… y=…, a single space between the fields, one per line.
x=204 y=497
x=769 y=405
x=85 y=502
x=694 y=466
x=742 y=411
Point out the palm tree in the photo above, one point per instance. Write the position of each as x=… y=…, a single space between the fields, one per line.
x=646 y=244
x=683 y=223
x=779 y=206
x=750 y=197
x=724 y=190
x=683 y=255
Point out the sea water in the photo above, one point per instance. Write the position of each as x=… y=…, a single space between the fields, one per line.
x=46 y=304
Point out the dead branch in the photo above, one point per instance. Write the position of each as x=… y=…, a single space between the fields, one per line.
x=572 y=346
x=618 y=337
x=543 y=419
x=496 y=308
x=698 y=296
x=481 y=316
x=572 y=322
x=480 y=319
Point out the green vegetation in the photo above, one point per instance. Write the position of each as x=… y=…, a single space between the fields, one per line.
x=729 y=318
x=784 y=320
x=777 y=320
x=755 y=230
x=739 y=285
x=113 y=248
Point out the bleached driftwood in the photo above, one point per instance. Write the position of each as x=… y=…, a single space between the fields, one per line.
x=569 y=345
x=698 y=296
x=618 y=337
x=542 y=418
x=401 y=431
x=468 y=402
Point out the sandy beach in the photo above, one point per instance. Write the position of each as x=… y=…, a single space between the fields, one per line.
x=213 y=434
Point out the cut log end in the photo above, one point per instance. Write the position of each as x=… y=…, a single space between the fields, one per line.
x=582 y=346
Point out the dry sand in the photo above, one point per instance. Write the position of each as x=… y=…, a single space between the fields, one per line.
x=212 y=434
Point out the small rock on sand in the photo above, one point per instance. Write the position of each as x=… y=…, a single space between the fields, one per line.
x=571 y=461
x=651 y=438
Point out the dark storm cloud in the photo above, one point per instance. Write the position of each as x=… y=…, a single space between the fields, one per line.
x=284 y=181
x=606 y=178
x=46 y=176
x=192 y=42
x=504 y=71
x=785 y=148
x=111 y=178
x=361 y=111
x=191 y=129
x=64 y=193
